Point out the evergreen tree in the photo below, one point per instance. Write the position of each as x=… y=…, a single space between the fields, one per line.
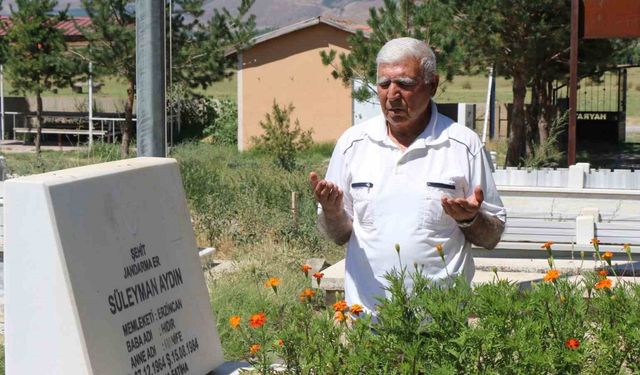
x=37 y=59
x=198 y=50
x=112 y=48
x=417 y=19
x=527 y=41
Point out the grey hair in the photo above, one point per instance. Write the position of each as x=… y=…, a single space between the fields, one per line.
x=399 y=49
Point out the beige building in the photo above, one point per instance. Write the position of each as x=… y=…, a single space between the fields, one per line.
x=285 y=66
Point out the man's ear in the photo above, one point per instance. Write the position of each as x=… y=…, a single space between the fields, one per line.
x=434 y=84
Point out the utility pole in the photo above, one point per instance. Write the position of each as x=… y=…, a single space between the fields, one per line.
x=150 y=78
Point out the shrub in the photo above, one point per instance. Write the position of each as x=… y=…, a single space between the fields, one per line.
x=200 y=116
x=224 y=128
x=494 y=328
x=280 y=139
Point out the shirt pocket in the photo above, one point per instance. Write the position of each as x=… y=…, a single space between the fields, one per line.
x=362 y=194
x=433 y=213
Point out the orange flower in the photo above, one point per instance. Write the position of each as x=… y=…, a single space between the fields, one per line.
x=603 y=284
x=307 y=293
x=547 y=245
x=234 y=321
x=280 y=342
x=607 y=256
x=306 y=268
x=340 y=306
x=572 y=344
x=273 y=283
x=257 y=320
x=356 y=309
x=255 y=348
x=595 y=241
x=339 y=316
x=318 y=276
x=552 y=275
x=603 y=273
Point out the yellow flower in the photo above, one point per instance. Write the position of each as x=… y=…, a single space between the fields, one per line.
x=607 y=256
x=552 y=275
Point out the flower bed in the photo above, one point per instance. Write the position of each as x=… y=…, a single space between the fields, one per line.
x=494 y=328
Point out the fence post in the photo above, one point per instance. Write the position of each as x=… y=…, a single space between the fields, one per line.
x=294 y=208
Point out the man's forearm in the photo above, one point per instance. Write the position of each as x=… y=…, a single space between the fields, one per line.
x=485 y=231
x=336 y=226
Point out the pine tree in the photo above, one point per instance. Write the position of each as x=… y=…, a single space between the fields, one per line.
x=417 y=19
x=38 y=60
x=198 y=50
x=527 y=41
x=112 y=48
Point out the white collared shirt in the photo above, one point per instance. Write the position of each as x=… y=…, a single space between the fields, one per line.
x=393 y=197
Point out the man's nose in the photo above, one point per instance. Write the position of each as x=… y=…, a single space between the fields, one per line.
x=394 y=91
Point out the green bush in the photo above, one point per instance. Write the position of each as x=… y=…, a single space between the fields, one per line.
x=224 y=128
x=280 y=139
x=202 y=116
x=494 y=328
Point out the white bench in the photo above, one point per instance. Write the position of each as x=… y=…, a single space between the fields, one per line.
x=96 y=132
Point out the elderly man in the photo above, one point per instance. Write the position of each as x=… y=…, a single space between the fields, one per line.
x=411 y=177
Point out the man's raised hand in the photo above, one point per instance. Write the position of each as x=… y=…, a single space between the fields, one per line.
x=463 y=209
x=327 y=194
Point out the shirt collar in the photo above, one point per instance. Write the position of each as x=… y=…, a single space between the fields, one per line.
x=433 y=134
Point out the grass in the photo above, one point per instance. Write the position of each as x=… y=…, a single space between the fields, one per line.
x=117 y=88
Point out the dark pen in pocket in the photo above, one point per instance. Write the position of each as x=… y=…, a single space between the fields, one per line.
x=441 y=185
x=362 y=184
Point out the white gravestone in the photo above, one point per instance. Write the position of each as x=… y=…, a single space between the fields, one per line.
x=102 y=274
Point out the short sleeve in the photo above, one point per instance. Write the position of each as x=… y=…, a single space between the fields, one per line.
x=481 y=175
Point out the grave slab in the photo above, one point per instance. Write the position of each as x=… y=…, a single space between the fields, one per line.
x=102 y=276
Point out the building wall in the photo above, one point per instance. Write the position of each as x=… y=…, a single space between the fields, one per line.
x=288 y=69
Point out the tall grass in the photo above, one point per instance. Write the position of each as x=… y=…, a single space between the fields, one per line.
x=241 y=200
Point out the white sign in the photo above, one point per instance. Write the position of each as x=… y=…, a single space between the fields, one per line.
x=102 y=274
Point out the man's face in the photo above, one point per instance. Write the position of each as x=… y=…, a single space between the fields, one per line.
x=403 y=94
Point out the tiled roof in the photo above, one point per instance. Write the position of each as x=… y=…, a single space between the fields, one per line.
x=68 y=27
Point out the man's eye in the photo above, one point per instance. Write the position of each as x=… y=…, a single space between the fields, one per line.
x=384 y=85
x=406 y=84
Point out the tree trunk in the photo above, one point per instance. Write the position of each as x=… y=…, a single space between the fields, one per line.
x=127 y=125
x=39 y=121
x=517 y=136
x=545 y=114
x=532 y=112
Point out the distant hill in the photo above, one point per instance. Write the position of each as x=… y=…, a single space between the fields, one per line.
x=270 y=14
